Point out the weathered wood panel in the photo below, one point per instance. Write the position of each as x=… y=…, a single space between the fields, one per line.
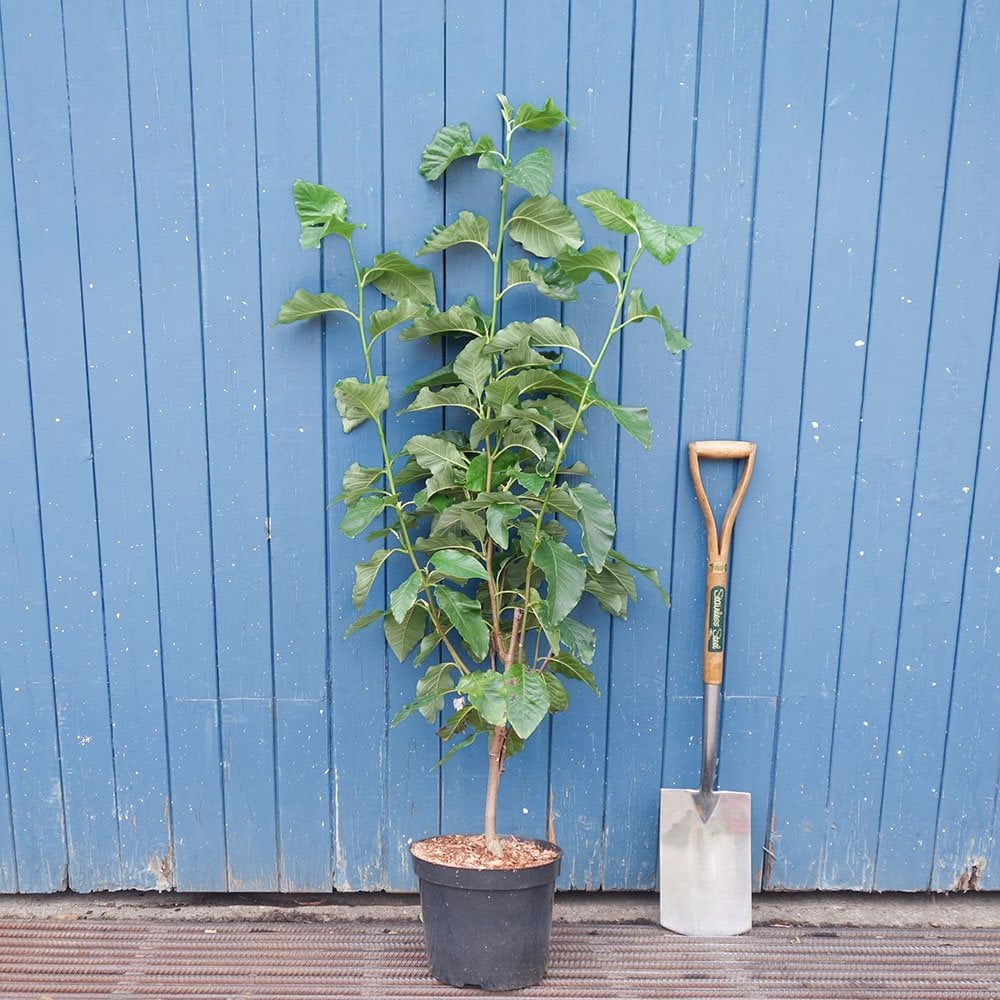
x=177 y=705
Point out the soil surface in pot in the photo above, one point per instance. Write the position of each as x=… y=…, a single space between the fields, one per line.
x=468 y=851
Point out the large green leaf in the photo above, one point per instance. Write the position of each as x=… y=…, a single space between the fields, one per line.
x=565 y=577
x=361 y=401
x=634 y=420
x=550 y=281
x=450 y=395
x=476 y=473
x=363 y=622
x=403 y=636
x=431 y=689
x=570 y=667
x=611 y=211
x=580 y=638
x=466 y=614
x=365 y=573
x=449 y=144
x=579 y=266
x=558 y=695
x=361 y=513
x=459 y=518
x=434 y=453
x=533 y=172
x=398 y=278
x=457 y=319
x=486 y=692
x=384 y=319
x=305 y=305
x=499 y=517
x=544 y=226
x=458 y=565
x=467 y=228
x=474 y=366
x=638 y=311
x=440 y=376
x=645 y=571
x=527 y=699
x=405 y=595
x=321 y=212
x=539 y=119
x=611 y=589
x=597 y=520
x=662 y=241
x=542 y=332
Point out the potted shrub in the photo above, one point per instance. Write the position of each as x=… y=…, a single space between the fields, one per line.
x=499 y=529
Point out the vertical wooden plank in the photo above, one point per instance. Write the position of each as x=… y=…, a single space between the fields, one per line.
x=965 y=852
x=32 y=843
x=908 y=222
x=473 y=74
x=165 y=169
x=286 y=110
x=110 y=271
x=43 y=171
x=663 y=89
x=962 y=300
x=724 y=164
x=861 y=43
x=600 y=55
x=412 y=110
x=224 y=126
x=794 y=89
x=351 y=163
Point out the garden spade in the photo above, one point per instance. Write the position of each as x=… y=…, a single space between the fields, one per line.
x=704 y=833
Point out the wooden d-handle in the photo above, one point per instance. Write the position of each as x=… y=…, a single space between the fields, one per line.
x=718 y=544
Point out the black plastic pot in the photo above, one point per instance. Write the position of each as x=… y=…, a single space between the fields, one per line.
x=488 y=928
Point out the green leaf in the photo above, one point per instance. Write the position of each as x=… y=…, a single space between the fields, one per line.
x=365 y=573
x=449 y=144
x=461 y=745
x=579 y=266
x=321 y=212
x=662 y=241
x=403 y=636
x=458 y=517
x=357 y=479
x=466 y=614
x=542 y=332
x=638 y=311
x=565 y=576
x=610 y=210
x=487 y=694
x=363 y=622
x=645 y=571
x=558 y=695
x=361 y=513
x=568 y=666
x=467 y=228
x=434 y=453
x=457 y=319
x=474 y=366
x=634 y=420
x=561 y=501
x=397 y=278
x=361 y=401
x=544 y=226
x=540 y=119
x=527 y=699
x=550 y=281
x=597 y=520
x=533 y=172
x=451 y=395
x=384 y=319
x=610 y=589
x=459 y=565
x=440 y=376
x=460 y=720
x=306 y=305
x=580 y=638
x=431 y=689
x=405 y=595
x=475 y=474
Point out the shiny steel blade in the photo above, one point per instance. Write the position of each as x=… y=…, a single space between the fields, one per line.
x=705 y=881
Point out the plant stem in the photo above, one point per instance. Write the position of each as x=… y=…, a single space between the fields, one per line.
x=497 y=743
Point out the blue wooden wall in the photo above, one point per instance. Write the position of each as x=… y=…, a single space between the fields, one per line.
x=178 y=708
